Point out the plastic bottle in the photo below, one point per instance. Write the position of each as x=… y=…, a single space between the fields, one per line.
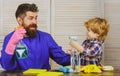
x=75 y=57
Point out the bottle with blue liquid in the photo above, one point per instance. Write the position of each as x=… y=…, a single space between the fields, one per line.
x=75 y=57
x=21 y=50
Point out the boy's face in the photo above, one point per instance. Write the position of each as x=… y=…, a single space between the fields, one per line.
x=91 y=35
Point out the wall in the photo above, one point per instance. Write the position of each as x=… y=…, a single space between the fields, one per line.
x=112 y=44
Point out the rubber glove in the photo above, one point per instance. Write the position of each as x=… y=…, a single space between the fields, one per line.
x=16 y=37
x=65 y=69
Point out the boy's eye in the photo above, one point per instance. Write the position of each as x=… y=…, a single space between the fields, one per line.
x=30 y=18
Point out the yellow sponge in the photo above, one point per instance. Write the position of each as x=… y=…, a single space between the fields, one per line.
x=91 y=68
x=34 y=71
x=108 y=68
x=48 y=73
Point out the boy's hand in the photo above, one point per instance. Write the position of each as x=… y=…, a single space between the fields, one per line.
x=77 y=46
x=69 y=51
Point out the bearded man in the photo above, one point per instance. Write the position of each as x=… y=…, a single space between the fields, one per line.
x=40 y=46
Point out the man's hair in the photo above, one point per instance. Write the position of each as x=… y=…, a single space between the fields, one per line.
x=25 y=7
x=99 y=26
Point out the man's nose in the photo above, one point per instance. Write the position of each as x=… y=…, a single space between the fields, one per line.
x=34 y=21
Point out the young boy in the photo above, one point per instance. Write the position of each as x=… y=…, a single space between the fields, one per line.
x=91 y=49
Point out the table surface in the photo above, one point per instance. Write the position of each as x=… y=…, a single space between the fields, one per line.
x=19 y=73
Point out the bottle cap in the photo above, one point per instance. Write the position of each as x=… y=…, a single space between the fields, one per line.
x=73 y=38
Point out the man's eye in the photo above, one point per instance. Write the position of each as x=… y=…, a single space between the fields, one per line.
x=36 y=18
x=30 y=18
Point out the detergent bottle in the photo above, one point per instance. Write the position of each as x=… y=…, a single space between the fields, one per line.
x=75 y=57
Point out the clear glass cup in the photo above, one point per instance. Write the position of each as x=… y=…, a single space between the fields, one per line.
x=75 y=61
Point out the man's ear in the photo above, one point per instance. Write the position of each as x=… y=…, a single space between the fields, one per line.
x=20 y=21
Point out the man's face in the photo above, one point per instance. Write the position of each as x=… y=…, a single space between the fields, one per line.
x=30 y=23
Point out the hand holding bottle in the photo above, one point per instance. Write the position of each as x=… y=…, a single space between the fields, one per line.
x=75 y=55
x=76 y=46
x=73 y=42
x=16 y=37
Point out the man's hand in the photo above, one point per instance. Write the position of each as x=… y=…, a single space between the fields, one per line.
x=16 y=37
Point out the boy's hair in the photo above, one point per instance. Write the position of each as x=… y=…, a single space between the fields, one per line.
x=25 y=7
x=99 y=26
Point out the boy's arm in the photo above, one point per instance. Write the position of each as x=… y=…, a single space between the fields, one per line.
x=77 y=46
x=94 y=50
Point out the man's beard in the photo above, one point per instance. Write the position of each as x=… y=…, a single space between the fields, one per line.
x=31 y=32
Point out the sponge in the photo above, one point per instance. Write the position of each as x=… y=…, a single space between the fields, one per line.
x=34 y=71
x=48 y=73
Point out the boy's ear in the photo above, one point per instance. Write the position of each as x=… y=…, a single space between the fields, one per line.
x=20 y=21
x=97 y=34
